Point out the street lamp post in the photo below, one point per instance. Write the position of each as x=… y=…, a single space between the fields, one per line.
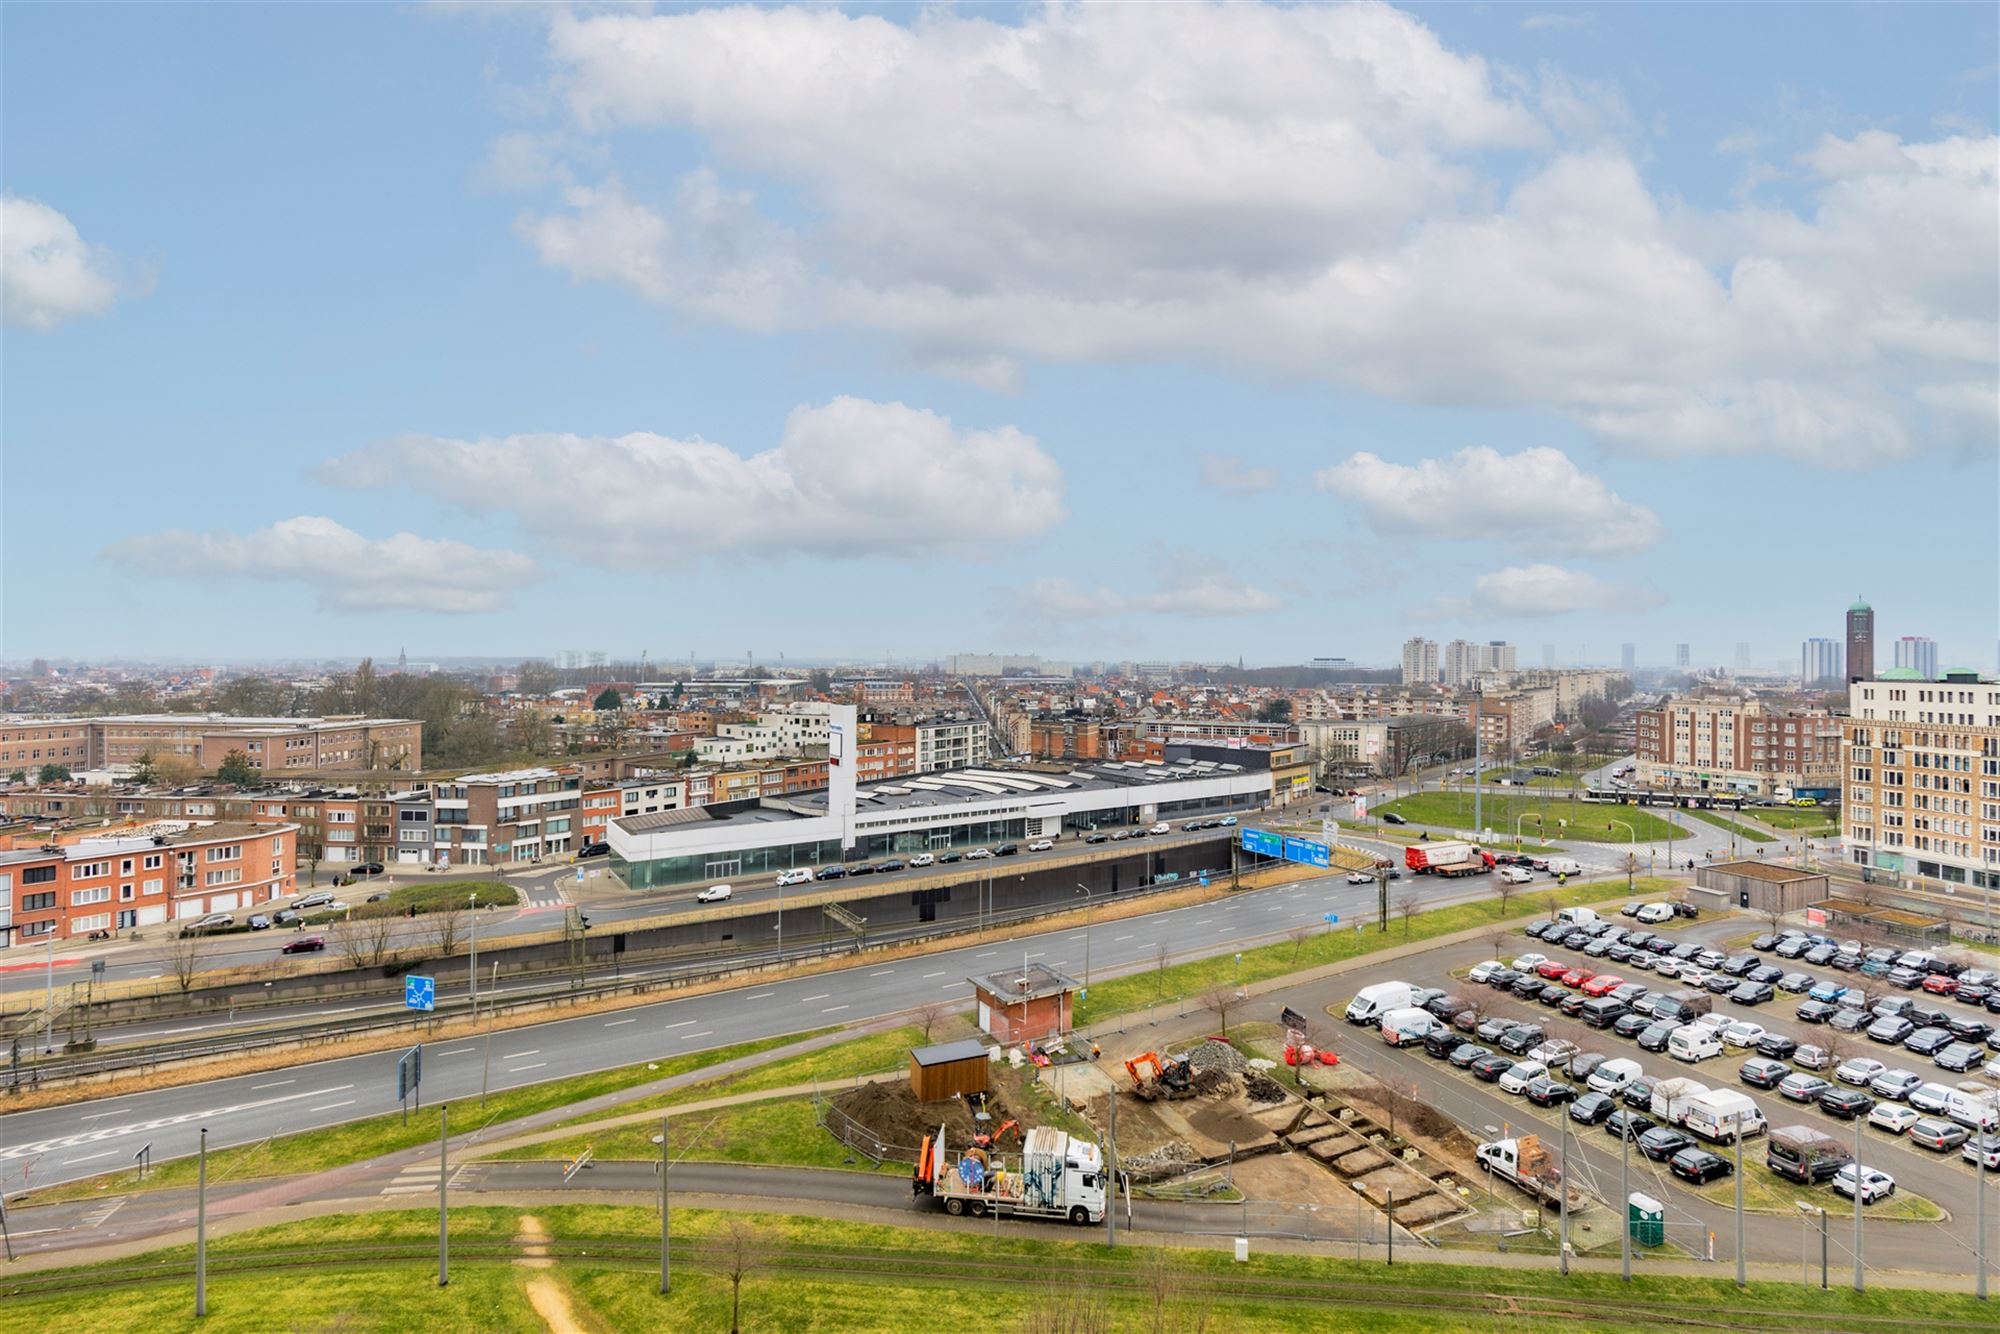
x=472 y=970
x=1088 y=903
x=1860 y=1282
x=1525 y=815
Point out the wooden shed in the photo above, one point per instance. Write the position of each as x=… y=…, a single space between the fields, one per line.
x=950 y=1069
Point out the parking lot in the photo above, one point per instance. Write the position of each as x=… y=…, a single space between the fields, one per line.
x=1492 y=1096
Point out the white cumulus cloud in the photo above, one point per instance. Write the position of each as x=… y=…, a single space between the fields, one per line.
x=1479 y=492
x=350 y=572
x=1542 y=590
x=849 y=478
x=1186 y=583
x=1291 y=192
x=48 y=273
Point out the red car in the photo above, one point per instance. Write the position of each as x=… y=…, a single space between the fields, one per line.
x=1552 y=969
x=1940 y=985
x=1602 y=984
x=304 y=945
x=1577 y=976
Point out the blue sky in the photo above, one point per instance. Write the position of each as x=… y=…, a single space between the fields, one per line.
x=1116 y=332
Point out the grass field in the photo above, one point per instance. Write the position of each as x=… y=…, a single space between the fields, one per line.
x=1453 y=810
x=1723 y=822
x=1810 y=820
x=358 y=1140
x=781 y=1130
x=431 y=896
x=816 y=1274
x=1197 y=977
x=1765 y=1192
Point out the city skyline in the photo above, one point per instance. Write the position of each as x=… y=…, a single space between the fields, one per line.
x=544 y=331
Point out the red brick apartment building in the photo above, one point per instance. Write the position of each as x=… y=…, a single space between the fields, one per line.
x=273 y=745
x=169 y=873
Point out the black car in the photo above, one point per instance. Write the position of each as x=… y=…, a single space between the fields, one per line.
x=1520 y=1038
x=1638 y=1095
x=1533 y=930
x=1097 y=838
x=830 y=873
x=1663 y=1142
x=893 y=864
x=1736 y=965
x=1502 y=979
x=1959 y=1056
x=1390 y=817
x=1442 y=1042
x=1974 y=993
x=593 y=850
x=1545 y=1092
x=1552 y=996
x=1928 y=1041
x=1631 y=1024
x=1929 y=1016
x=1848 y=1021
x=1686 y=910
x=1491 y=1066
x=1469 y=1052
x=1529 y=987
x=1634 y=1124
x=1751 y=993
x=1592 y=1108
x=946 y=858
x=1765 y=972
x=1764 y=944
x=1006 y=850
x=1656 y=1036
x=1969 y=1030
x=1777 y=1046
x=1815 y=1012
x=1699 y=1166
x=1845 y=1103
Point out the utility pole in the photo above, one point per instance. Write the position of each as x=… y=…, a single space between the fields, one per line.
x=444 y=1236
x=1625 y=1200
x=472 y=968
x=1562 y=1201
x=1741 y=1280
x=1478 y=760
x=1981 y=1143
x=201 y=1228
x=1087 y=905
x=1111 y=1179
x=1381 y=898
x=665 y=1277
x=1860 y=1283
x=49 y=988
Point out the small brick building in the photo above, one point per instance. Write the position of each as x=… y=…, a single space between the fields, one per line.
x=1023 y=1005
x=1762 y=886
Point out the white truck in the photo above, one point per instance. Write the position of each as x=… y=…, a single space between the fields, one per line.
x=1717 y=1115
x=1404 y=1027
x=1371 y=1003
x=1060 y=1177
x=1529 y=1165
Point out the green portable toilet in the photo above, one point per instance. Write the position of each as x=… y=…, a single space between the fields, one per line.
x=1645 y=1219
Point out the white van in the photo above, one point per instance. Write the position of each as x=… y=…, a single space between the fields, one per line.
x=1614 y=1075
x=1401 y=1028
x=1975 y=1111
x=1577 y=916
x=1717 y=1116
x=1565 y=866
x=802 y=876
x=1693 y=1042
x=1371 y=1003
x=714 y=894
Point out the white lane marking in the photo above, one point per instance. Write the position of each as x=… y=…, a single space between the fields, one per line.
x=1115 y=939
x=683 y=1023
x=760 y=995
x=615 y=1022
x=953 y=986
x=989 y=954
x=331 y=1105
x=453 y=1051
x=519 y=1054
x=95 y=1115
x=822 y=996
x=1036 y=955
x=274 y=1084
x=929 y=976
x=1203 y=921
x=705 y=1033
x=831 y=1008
x=87 y=1158
x=517 y=1069
x=882 y=972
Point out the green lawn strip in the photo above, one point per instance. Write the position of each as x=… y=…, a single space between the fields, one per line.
x=823 y=1274
x=433 y=896
x=1765 y=1192
x=1499 y=811
x=355 y=1141
x=1192 y=979
x=1792 y=817
x=778 y=1131
x=1740 y=830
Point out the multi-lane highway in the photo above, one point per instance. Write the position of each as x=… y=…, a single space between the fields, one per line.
x=63 y=1143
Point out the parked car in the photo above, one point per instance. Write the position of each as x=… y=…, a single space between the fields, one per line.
x=1041 y=845
x=831 y=873
x=1928 y=1041
x=1891 y=1029
x=1491 y=1066
x=1777 y=1046
x=986 y=854
x=1592 y=1108
x=1655 y=1036
x=1858 y=1070
x=1896 y=1084
x=1938 y=1134
x=593 y=850
x=259 y=922
x=1751 y=993
x=1632 y=1123
x=922 y=859
x=303 y=945
x=215 y=921
x=1893 y=1117
x=1763 y=1073
x=1007 y=850
x=1465 y=1055
x=1870 y=1183
x=1802 y=1087
x=1983 y=1150
x=1663 y=1142
x=1699 y=1166
x=1959 y=1057
x=1845 y=1103
x=1810 y=1057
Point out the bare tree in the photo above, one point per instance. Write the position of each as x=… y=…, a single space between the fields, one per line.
x=1068 y=1306
x=1553 y=904
x=1220 y=998
x=742 y=1249
x=1774 y=916
x=1496 y=941
x=366 y=942
x=443 y=928
x=1299 y=935
x=1397 y=1090
x=380 y=933
x=350 y=938
x=182 y=956
x=1161 y=953
x=1406 y=906
x=1503 y=892
x=1631 y=869
x=929 y=1015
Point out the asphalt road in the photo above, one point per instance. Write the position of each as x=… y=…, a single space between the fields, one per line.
x=53 y=1145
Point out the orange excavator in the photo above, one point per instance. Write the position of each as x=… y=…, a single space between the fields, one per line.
x=990 y=1139
x=1155 y=1076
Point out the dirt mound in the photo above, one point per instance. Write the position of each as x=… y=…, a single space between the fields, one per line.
x=1214 y=1054
x=1262 y=1088
x=1169 y=1160
x=888 y=1110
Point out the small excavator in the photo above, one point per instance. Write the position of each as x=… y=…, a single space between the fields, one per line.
x=1155 y=1077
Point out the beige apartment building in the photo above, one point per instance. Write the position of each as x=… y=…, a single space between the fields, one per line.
x=347 y=744
x=1733 y=743
x=1922 y=761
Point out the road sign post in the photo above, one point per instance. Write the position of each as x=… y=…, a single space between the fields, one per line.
x=409 y=1079
x=420 y=993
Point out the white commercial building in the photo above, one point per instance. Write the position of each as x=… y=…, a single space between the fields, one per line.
x=1420 y=662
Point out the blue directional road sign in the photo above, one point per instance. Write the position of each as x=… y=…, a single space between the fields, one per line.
x=1332 y=918
x=1263 y=844
x=420 y=993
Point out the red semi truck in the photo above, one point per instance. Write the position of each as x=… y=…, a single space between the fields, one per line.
x=1447 y=859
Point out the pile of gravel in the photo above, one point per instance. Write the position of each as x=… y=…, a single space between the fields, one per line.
x=1218 y=1056
x=1169 y=1160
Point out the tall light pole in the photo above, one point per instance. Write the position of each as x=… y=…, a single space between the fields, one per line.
x=1478 y=761
x=1740 y=1277
x=1860 y=1283
x=472 y=971
x=1625 y=1200
x=49 y=1000
x=1087 y=905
